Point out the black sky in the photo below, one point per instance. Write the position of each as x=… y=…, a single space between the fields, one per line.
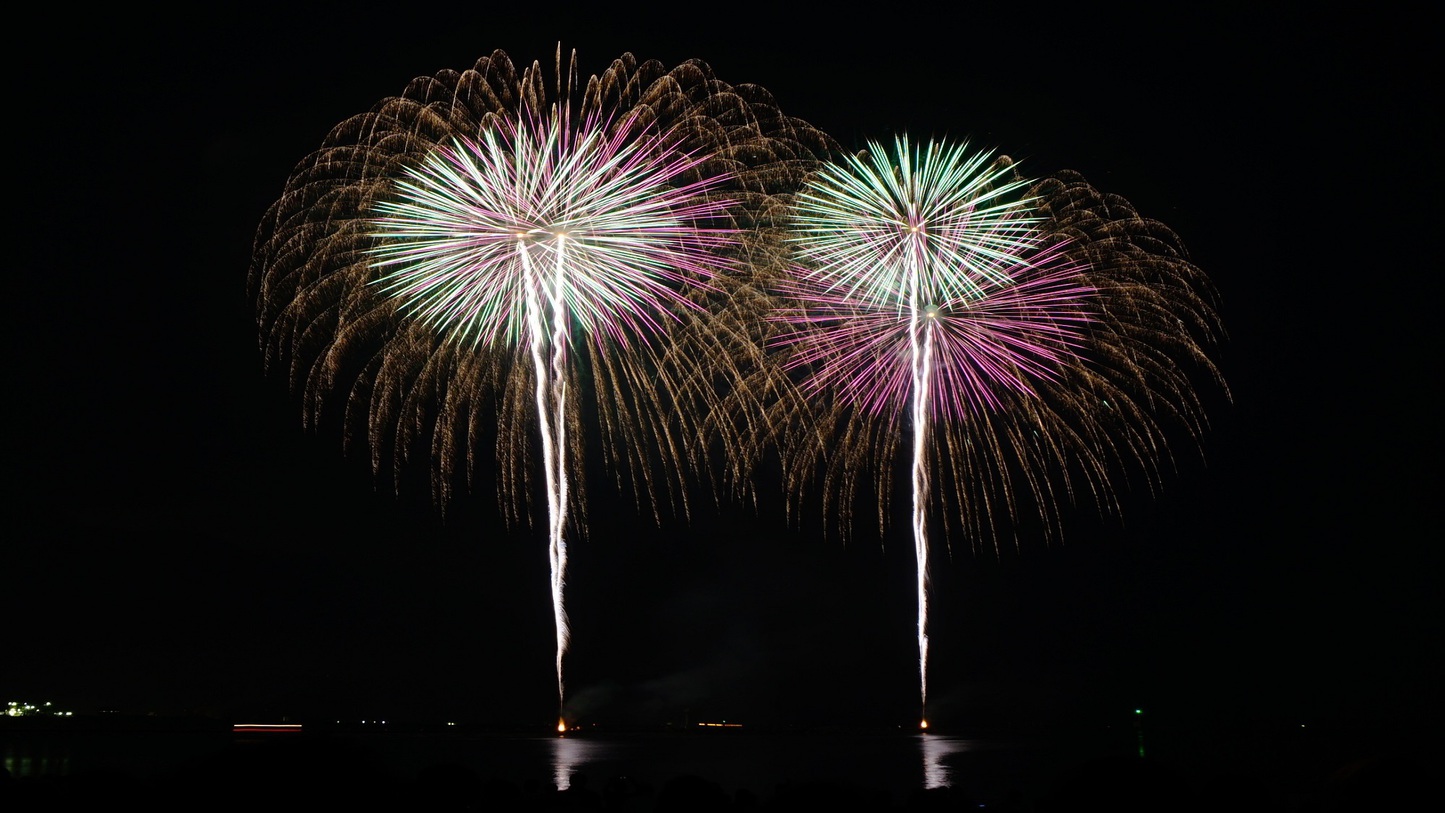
x=175 y=540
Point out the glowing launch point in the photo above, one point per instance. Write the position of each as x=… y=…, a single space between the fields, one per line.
x=922 y=725
x=561 y=726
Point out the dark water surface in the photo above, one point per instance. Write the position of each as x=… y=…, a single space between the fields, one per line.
x=219 y=769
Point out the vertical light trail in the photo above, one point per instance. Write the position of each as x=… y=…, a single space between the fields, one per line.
x=551 y=396
x=557 y=548
x=920 y=345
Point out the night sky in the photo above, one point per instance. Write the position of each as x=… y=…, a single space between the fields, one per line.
x=175 y=540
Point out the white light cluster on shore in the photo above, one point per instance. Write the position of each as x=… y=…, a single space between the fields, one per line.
x=15 y=708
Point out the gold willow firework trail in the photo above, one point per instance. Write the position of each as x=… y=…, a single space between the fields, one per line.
x=498 y=249
x=1037 y=341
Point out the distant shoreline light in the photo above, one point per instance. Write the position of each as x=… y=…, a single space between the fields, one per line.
x=16 y=708
x=251 y=728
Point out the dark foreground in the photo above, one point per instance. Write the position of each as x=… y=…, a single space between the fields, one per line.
x=317 y=772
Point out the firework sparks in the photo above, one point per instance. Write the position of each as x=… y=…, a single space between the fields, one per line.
x=934 y=283
x=456 y=263
x=925 y=287
x=539 y=230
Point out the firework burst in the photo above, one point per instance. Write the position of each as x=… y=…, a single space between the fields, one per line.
x=481 y=260
x=1025 y=338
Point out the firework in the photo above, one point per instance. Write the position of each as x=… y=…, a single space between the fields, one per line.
x=1027 y=336
x=482 y=255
